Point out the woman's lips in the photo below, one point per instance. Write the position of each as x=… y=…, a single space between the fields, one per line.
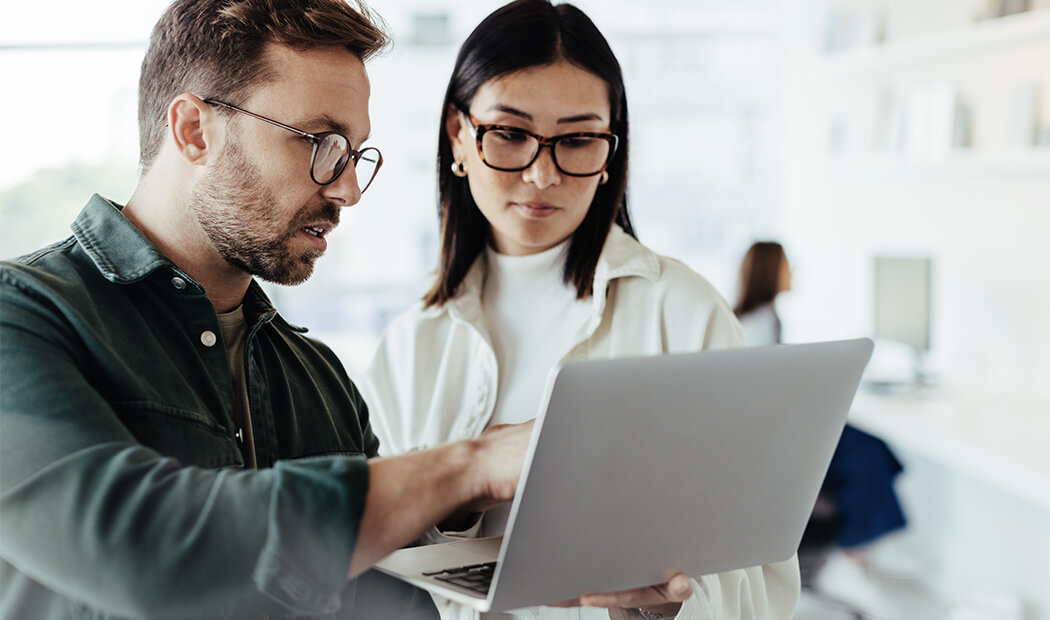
x=536 y=209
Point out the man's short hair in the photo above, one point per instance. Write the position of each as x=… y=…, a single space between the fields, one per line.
x=214 y=48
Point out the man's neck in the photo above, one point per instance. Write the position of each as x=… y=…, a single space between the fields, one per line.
x=159 y=209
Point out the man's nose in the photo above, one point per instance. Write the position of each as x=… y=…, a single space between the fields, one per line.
x=345 y=190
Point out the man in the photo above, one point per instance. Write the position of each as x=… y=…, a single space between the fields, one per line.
x=169 y=445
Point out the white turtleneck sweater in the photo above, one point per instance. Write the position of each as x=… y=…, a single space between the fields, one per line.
x=531 y=316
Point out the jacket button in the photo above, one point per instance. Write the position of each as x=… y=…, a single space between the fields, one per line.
x=208 y=338
x=178 y=283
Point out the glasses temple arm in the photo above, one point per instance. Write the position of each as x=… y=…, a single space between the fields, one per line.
x=261 y=118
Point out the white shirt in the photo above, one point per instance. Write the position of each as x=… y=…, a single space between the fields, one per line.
x=761 y=326
x=531 y=316
x=434 y=380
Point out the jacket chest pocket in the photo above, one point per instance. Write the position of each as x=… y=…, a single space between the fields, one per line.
x=183 y=434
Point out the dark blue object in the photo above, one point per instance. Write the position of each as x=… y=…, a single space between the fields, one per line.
x=860 y=479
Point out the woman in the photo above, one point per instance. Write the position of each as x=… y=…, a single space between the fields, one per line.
x=859 y=481
x=764 y=274
x=539 y=265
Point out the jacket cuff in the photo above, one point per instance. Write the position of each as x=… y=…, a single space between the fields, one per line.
x=697 y=606
x=314 y=516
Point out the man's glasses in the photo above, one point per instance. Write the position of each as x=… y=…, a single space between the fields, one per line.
x=510 y=149
x=331 y=152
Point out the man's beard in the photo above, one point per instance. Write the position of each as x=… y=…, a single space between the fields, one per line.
x=243 y=220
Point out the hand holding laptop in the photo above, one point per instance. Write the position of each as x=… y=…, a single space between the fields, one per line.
x=664 y=599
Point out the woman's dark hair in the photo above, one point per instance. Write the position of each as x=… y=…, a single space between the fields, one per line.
x=760 y=276
x=519 y=35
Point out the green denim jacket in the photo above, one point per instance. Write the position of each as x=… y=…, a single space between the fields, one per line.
x=123 y=491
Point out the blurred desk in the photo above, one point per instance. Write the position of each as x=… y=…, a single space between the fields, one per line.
x=1004 y=442
x=975 y=489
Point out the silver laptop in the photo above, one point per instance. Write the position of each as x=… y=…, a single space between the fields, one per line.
x=640 y=468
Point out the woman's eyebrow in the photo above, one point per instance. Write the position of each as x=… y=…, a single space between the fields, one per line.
x=578 y=118
x=506 y=109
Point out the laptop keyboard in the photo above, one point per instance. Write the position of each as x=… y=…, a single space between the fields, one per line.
x=476 y=577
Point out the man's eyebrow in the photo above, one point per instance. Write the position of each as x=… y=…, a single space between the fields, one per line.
x=561 y=121
x=327 y=123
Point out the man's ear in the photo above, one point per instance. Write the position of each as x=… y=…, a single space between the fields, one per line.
x=195 y=128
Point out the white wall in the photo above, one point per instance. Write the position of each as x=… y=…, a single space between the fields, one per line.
x=981 y=214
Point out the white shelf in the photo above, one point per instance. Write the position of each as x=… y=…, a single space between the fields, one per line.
x=956 y=45
x=1033 y=163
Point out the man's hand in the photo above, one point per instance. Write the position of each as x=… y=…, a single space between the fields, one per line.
x=499 y=458
x=408 y=494
x=664 y=599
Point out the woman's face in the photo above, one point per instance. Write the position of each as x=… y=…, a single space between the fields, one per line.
x=535 y=209
x=784 y=277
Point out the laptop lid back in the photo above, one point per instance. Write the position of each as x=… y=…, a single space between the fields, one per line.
x=699 y=463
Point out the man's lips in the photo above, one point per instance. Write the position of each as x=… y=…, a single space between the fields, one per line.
x=316 y=231
x=319 y=229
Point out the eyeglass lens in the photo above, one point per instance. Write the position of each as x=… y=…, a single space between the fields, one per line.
x=574 y=155
x=333 y=151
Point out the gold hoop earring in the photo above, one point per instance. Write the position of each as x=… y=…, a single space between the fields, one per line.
x=459 y=169
x=604 y=178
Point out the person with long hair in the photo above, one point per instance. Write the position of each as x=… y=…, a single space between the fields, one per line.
x=540 y=265
x=859 y=482
x=764 y=274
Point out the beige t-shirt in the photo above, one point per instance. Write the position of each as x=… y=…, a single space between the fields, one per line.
x=234 y=333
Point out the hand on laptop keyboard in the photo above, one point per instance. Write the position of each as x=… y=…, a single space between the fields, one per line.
x=500 y=456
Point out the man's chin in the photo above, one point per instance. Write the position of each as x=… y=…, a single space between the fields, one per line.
x=288 y=275
x=290 y=278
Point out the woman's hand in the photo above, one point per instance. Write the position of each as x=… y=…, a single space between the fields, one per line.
x=664 y=599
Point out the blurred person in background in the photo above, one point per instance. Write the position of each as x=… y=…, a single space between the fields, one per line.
x=540 y=265
x=859 y=482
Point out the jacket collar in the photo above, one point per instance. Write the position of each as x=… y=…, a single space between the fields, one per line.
x=123 y=255
x=119 y=250
x=622 y=256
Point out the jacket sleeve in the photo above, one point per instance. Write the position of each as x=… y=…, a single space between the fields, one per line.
x=389 y=388
x=769 y=591
x=94 y=516
x=387 y=397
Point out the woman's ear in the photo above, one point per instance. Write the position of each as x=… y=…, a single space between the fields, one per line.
x=194 y=129
x=454 y=127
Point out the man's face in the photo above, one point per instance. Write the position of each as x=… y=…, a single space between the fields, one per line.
x=257 y=203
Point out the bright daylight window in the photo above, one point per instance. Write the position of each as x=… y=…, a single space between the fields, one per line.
x=702 y=87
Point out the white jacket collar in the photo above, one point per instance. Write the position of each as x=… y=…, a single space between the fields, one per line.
x=622 y=256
